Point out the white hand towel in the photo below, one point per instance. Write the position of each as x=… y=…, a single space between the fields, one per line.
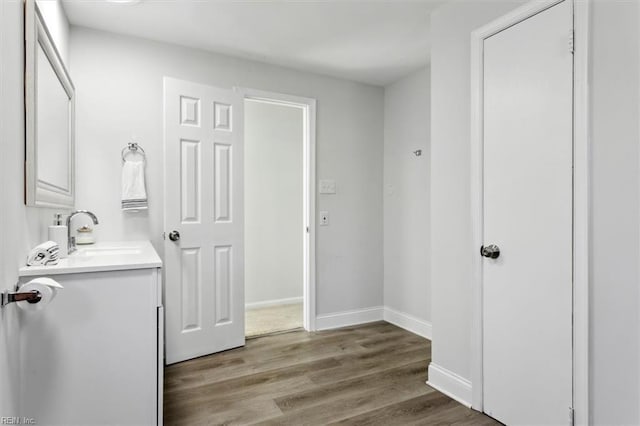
x=44 y=254
x=134 y=194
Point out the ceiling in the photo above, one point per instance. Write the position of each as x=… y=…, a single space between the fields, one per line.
x=375 y=42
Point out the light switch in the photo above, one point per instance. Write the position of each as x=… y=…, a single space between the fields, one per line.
x=327 y=186
x=324 y=218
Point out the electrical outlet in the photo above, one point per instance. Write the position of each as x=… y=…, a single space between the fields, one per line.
x=324 y=218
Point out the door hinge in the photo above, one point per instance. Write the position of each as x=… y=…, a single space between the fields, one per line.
x=307 y=229
x=571 y=416
x=572 y=36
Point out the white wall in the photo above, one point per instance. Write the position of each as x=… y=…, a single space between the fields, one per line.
x=118 y=83
x=406 y=195
x=273 y=223
x=615 y=298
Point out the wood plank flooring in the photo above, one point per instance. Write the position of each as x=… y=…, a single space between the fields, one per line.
x=372 y=374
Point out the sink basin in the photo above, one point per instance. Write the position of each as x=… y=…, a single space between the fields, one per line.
x=108 y=251
x=101 y=257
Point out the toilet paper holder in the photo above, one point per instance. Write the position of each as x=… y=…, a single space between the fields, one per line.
x=6 y=297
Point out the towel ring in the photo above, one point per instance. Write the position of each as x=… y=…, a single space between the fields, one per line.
x=132 y=147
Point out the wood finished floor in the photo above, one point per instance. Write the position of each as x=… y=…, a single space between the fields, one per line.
x=372 y=374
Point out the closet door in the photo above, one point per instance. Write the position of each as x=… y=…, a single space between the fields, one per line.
x=528 y=193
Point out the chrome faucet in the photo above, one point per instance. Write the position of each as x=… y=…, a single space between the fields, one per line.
x=72 y=240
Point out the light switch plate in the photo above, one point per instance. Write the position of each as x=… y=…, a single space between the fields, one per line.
x=324 y=218
x=327 y=186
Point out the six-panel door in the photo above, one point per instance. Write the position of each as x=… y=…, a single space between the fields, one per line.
x=204 y=294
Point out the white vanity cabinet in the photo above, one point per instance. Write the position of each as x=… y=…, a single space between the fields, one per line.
x=93 y=356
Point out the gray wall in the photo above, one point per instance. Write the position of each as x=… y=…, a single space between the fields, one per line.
x=273 y=229
x=119 y=94
x=615 y=239
x=12 y=223
x=21 y=227
x=406 y=195
x=450 y=177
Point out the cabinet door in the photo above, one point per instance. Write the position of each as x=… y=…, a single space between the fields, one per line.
x=90 y=356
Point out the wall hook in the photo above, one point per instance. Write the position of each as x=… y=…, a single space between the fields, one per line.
x=417 y=152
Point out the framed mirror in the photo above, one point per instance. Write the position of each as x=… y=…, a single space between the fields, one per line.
x=50 y=118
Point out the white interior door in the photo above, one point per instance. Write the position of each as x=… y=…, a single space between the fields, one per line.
x=204 y=292
x=527 y=290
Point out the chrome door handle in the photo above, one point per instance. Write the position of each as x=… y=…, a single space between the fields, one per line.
x=492 y=251
x=174 y=235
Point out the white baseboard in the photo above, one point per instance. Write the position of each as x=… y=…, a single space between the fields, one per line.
x=275 y=302
x=347 y=318
x=450 y=384
x=376 y=313
x=408 y=322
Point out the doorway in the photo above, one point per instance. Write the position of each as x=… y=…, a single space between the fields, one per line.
x=278 y=196
x=274 y=221
x=523 y=158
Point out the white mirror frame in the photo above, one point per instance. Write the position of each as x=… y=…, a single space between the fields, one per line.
x=39 y=193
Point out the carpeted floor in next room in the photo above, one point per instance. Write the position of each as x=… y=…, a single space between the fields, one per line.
x=272 y=319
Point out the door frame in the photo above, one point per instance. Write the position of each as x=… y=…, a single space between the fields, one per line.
x=308 y=107
x=581 y=185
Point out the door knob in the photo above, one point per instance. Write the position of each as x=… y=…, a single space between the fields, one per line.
x=174 y=235
x=492 y=251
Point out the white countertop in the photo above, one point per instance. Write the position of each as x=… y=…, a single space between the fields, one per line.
x=100 y=257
